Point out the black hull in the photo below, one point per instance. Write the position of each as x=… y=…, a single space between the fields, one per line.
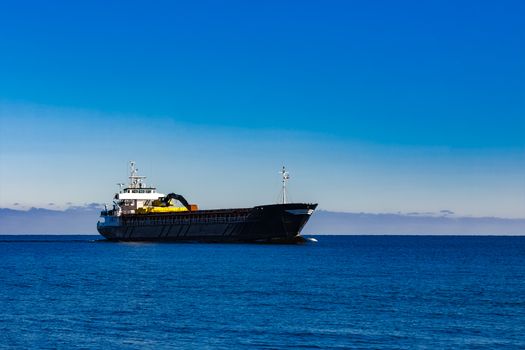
x=278 y=223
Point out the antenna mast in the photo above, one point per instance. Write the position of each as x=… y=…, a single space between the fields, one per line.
x=285 y=177
x=135 y=181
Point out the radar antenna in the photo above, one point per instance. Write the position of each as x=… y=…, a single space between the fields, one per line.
x=120 y=186
x=285 y=177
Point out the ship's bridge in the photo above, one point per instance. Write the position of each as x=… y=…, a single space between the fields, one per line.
x=136 y=194
x=139 y=193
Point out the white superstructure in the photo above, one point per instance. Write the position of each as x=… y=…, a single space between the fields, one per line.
x=136 y=195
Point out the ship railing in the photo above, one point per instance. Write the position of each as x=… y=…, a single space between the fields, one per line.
x=140 y=221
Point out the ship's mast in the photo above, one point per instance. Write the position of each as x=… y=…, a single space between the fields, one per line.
x=135 y=181
x=285 y=177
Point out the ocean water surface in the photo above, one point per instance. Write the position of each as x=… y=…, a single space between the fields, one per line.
x=369 y=292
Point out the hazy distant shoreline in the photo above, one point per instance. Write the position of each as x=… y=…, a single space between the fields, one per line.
x=82 y=221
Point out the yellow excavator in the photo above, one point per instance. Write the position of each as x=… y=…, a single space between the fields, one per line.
x=166 y=205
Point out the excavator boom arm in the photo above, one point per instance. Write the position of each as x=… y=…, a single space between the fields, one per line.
x=177 y=197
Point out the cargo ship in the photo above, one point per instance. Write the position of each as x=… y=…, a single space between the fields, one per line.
x=140 y=213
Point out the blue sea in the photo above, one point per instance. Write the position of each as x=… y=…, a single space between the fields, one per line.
x=368 y=292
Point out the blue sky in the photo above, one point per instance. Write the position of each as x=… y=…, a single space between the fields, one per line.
x=375 y=106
